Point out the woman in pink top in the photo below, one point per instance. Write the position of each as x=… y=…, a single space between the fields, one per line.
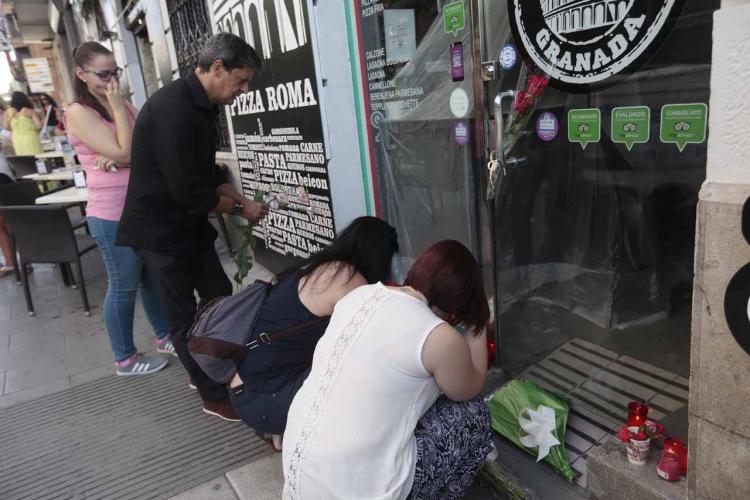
x=100 y=128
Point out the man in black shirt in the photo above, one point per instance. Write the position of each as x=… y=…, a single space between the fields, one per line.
x=175 y=183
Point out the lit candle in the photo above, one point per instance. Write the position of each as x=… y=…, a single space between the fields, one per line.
x=637 y=413
x=677 y=448
x=668 y=467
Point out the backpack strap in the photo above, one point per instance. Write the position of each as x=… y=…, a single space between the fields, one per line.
x=266 y=338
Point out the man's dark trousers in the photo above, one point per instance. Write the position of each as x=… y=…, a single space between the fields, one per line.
x=176 y=277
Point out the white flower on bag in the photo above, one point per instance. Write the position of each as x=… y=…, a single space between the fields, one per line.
x=540 y=427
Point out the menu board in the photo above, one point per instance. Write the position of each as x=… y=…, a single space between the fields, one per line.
x=278 y=131
x=38 y=75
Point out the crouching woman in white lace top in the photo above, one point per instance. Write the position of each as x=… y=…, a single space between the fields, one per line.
x=370 y=421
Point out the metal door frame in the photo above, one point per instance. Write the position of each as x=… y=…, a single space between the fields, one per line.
x=482 y=138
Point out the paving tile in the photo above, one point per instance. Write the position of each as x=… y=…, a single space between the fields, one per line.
x=602 y=420
x=585 y=427
x=4 y=341
x=23 y=372
x=537 y=373
x=38 y=342
x=666 y=402
x=218 y=489
x=576 y=441
x=43 y=308
x=98 y=343
x=648 y=368
x=575 y=363
x=596 y=348
x=594 y=401
x=636 y=375
x=2 y=383
x=610 y=394
x=259 y=480
x=34 y=375
x=107 y=370
x=588 y=356
x=619 y=383
x=670 y=389
x=4 y=360
x=557 y=369
x=9 y=399
x=581 y=467
x=86 y=360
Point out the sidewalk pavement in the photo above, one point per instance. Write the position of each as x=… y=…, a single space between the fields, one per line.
x=60 y=348
x=264 y=480
x=259 y=480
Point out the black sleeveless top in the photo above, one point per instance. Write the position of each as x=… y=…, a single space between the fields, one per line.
x=269 y=367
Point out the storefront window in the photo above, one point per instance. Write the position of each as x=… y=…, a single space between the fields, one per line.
x=595 y=232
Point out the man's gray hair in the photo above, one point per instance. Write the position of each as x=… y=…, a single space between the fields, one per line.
x=231 y=50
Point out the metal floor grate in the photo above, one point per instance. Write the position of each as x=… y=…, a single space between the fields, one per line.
x=599 y=384
x=118 y=437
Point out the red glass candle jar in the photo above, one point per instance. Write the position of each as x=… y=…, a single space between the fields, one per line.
x=669 y=467
x=676 y=447
x=637 y=413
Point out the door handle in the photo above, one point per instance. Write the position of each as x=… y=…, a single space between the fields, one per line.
x=500 y=131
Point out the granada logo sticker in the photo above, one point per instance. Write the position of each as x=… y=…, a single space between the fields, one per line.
x=585 y=42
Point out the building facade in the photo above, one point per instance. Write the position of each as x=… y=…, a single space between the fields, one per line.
x=585 y=227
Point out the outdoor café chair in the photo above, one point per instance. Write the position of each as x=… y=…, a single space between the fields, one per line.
x=25 y=193
x=44 y=234
x=22 y=165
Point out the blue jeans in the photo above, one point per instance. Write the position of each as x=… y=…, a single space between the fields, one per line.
x=126 y=274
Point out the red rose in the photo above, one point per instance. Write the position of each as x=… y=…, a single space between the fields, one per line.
x=523 y=102
x=536 y=85
x=640 y=436
x=623 y=434
x=518 y=104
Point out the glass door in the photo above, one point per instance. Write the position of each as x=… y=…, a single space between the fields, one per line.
x=417 y=86
x=602 y=157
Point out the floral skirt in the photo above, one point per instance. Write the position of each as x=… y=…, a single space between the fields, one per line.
x=453 y=440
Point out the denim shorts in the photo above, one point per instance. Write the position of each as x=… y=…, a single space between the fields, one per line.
x=265 y=411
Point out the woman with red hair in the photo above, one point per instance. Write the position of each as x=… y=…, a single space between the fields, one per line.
x=373 y=396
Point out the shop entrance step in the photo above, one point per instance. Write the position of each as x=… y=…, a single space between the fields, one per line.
x=599 y=383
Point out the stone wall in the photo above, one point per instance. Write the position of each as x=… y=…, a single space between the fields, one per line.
x=719 y=442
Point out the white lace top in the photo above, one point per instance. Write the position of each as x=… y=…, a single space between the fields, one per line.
x=350 y=430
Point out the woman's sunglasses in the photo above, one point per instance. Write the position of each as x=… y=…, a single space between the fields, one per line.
x=105 y=75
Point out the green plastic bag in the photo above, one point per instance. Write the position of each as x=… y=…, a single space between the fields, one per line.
x=519 y=401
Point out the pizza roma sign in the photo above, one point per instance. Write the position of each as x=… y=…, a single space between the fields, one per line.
x=584 y=42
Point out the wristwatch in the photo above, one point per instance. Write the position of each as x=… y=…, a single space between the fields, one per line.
x=237 y=209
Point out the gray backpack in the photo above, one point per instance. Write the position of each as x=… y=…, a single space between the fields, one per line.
x=223 y=330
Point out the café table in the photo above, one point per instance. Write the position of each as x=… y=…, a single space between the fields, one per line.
x=48 y=180
x=58 y=174
x=67 y=195
x=49 y=154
